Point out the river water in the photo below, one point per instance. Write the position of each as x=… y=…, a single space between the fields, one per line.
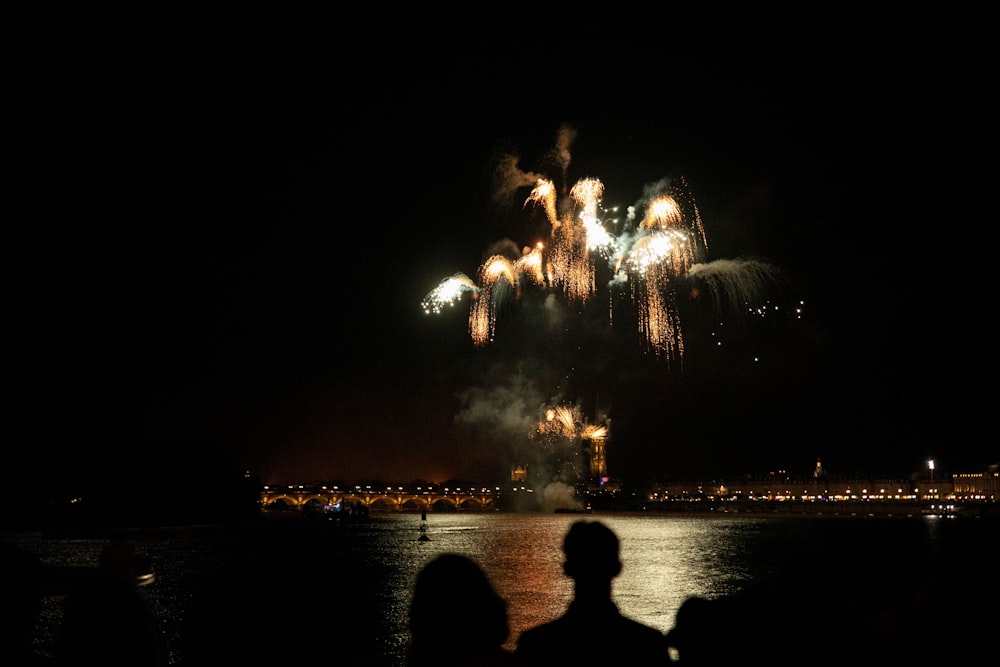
x=292 y=584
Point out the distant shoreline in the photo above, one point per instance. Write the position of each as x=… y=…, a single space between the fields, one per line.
x=731 y=509
x=807 y=508
x=748 y=509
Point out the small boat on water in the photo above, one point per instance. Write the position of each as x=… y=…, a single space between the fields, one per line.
x=950 y=509
x=340 y=512
x=423 y=527
x=574 y=510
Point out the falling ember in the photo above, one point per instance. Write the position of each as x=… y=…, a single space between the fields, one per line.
x=736 y=283
x=560 y=420
x=658 y=319
x=587 y=194
x=545 y=193
x=572 y=266
x=658 y=249
x=663 y=213
x=530 y=264
x=497 y=267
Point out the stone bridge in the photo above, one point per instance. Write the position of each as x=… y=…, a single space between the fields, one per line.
x=325 y=499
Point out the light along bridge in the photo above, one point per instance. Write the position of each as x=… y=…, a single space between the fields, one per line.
x=325 y=499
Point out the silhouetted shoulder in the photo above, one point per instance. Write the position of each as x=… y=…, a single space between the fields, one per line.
x=606 y=636
x=592 y=630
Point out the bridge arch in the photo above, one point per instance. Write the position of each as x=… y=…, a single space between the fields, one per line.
x=444 y=504
x=281 y=498
x=475 y=504
x=382 y=503
x=414 y=504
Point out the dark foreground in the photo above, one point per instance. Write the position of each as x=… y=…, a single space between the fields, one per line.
x=875 y=588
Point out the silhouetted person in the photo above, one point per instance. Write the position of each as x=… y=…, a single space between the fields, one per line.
x=107 y=620
x=286 y=594
x=21 y=588
x=457 y=617
x=592 y=630
x=695 y=637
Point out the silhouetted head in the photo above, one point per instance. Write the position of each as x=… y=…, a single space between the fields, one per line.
x=591 y=550
x=695 y=627
x=21 y=575
x=455 y=609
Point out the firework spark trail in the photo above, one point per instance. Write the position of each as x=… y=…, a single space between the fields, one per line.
x=572 y=266
x=544 y=193
x=587 y=194
x=736 y=283
x=559 y=420
x=482 y=320
x=566 y=421
x=561 y=434
x=530 y=264
x=658 y=248
x=658 y=317
x=448 y=292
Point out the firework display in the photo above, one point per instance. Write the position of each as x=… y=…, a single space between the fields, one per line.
x=649 y=258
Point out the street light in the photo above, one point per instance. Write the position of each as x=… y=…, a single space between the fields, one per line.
x=930 y=466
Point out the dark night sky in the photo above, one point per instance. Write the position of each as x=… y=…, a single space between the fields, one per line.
x=244 y=282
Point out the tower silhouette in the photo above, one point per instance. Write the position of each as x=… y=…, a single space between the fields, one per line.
x=598 y=459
